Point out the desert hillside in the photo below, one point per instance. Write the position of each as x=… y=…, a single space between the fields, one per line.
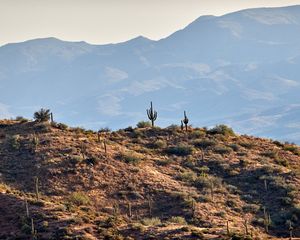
x=242 y=68
x=58 y=182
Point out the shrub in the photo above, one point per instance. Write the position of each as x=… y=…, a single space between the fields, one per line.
x=222 y=150
x=234 y=147
x=278 y=144
x=198 y=134
x=180 y=150
x=164 y=162
x=62 y=126
x=208 y=182
x=130 y=157
x=143 y=124
x=221 y=129
x=151 y=221
x=78 y=199
x=178 y=220
x=282 y=161
x=204 y=143
x=286 y=201
x=21 y=119
x=198 y=234
x=292 y=148
x=173 y=128
x=270 y=154
x=251 y=208
x=231 y=203
x=159 y=144
x=78 y=130
x=187 y=176
x=42 y=127
x=91 y=161
x=104 y=130
x=15 y=142
x=76 y=159
x=247 y=145
x=43 y=115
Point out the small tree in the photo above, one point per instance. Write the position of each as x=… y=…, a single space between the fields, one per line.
x=43 y=115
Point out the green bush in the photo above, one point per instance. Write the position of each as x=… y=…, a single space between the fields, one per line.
x=173 y=128
x=78 y=199
x=15 y=142
x=198 y=234
x=208 y=182
x=222 y=150
x=187 y=176
x=178 y=220
x=151 y=221
x=159 y=144
x=221 y=129
x=42 y=127
x=143 y=124
x=130 y=157
x=197 y=134
x=292 y=148
x=62 y=126
x=78 y=130
x=164 y=162
x=180 y=150
x=251 y=208
x=282 y=161
x=205 y=143
x=247 y=145
x=21 y=119
x=234 y=147
x=104 y=130
x=270 y=154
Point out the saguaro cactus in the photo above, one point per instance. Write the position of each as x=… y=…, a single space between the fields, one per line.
x=37 y=194
x=227 y=228
x=150 y=205
x=181 y=125
x=246 y=227
x=27 y=209
x=185 y=121
x=33 y=231
x=51 y=117
x=152 y=114
x=129 y=210
x=290 y=230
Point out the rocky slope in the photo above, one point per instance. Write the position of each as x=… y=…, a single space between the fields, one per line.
x=147 y=184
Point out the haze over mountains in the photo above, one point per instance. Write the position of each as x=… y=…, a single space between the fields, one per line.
x=240 y=69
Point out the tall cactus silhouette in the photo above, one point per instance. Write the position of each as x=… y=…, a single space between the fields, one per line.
x=185 y=121
x=152 y=114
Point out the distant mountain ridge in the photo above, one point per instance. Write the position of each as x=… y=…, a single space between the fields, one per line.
x=241 y=69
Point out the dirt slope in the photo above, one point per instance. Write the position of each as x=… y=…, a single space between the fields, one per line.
x=149 y=184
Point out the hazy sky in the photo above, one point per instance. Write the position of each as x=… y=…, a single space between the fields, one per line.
x=106 y=21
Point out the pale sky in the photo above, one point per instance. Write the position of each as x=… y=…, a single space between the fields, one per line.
x=110 y=21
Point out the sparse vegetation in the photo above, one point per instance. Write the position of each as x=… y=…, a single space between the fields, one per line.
x=153 y=182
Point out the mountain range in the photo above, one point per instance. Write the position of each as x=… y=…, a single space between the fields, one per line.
x=240 y=69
